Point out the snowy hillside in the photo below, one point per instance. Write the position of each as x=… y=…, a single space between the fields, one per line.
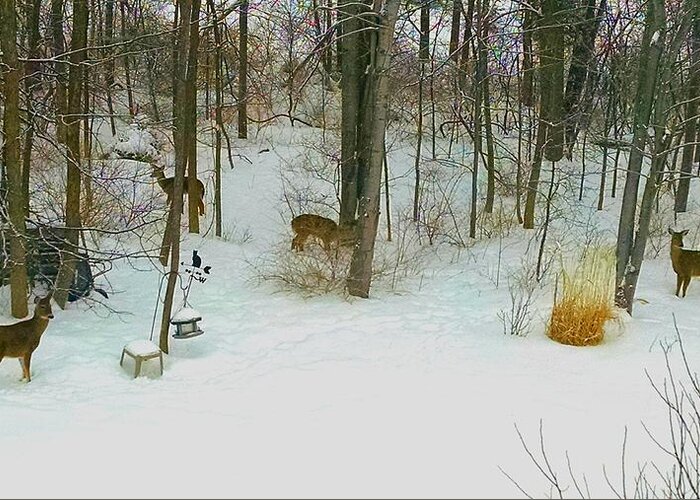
x=414 y=392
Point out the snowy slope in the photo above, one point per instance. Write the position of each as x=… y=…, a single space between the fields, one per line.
x=412 y=393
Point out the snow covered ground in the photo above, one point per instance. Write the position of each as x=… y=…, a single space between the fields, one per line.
x=412 y=393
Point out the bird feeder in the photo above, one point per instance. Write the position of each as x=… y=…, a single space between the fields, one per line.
x=185 y=323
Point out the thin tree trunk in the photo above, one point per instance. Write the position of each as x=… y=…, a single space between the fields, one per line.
x=58 y=47
x=646 y=89
x=478 y=101
x=218 y=92
x=352 y=70
x=423 y=56
x=486 y=97
x=635 y=252
x=73 y=177
x=109 y=63
x=454 y=31
x=31 y=80
x=691 y=113
x=191 y=103
x=419 y=142
x=386 y=195
x=16 y=203
x=243 y=72
x=127 y=64
x=171 y=239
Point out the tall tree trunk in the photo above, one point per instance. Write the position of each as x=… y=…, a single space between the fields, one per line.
x=527 y=92
x=218 y=91
x=423 y=57
x=191 y=103
x=464 y=53
x=479 y=75
x=73 y=177
x=352 y=70
x=486 y=99
x=375 y=107
x=58 y=48
x=454 y=31
x=646 y=89
x=550 y=129
x=170 y=250
x=109 y=64
x=580 y=69
x=127 y=64
x=243 y=71
x=662 y=140
x=31 y=80
x=691 y=113
x=16 y=203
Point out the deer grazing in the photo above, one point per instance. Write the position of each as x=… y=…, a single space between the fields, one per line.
x=686 y=263
x=326 y=230
x=167 y=184
x=21 y=339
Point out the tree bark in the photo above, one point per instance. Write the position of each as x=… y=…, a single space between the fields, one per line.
x=580 y=69
x=16 y=202
x=191 y=106
x=218 y=92
x=243 y=72
x=109 y=64
x=375 y=105
x=691 y=113
x=170 y=250
x=58 y=48
x=73 y=177
x=31 y=80
x=352 y=70
x=646 y=89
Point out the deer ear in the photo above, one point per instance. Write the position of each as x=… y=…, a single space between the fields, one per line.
x=685 y=232
x=670 y=231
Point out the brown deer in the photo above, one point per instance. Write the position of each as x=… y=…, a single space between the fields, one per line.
x=167 y=183
x=326 y=230
x=21 y=339
x=686 y=263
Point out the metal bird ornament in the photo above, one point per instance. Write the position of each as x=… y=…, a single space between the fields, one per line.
x=195 y=270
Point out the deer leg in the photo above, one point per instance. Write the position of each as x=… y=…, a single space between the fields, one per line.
x=25 y=361
x=679 y=283
x=685 y=284
x=298 y=243
x=201 y=206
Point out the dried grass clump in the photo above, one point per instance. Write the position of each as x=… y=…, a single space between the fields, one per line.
x=587 y=300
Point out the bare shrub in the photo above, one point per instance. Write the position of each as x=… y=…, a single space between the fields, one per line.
x=310 y=273
x=311 y=180
x=679 y=477
x=442 y=211
x=522 y=285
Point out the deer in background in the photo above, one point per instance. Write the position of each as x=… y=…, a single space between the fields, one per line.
x=167 y=183
x=326 y=230
x=21 y=339
x=686 y=263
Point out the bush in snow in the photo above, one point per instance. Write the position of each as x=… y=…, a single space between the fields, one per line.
x=309 y=273
x=587 y=300
x=137 y=143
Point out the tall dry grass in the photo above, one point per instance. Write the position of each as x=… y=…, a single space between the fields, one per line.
x=586 y=302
